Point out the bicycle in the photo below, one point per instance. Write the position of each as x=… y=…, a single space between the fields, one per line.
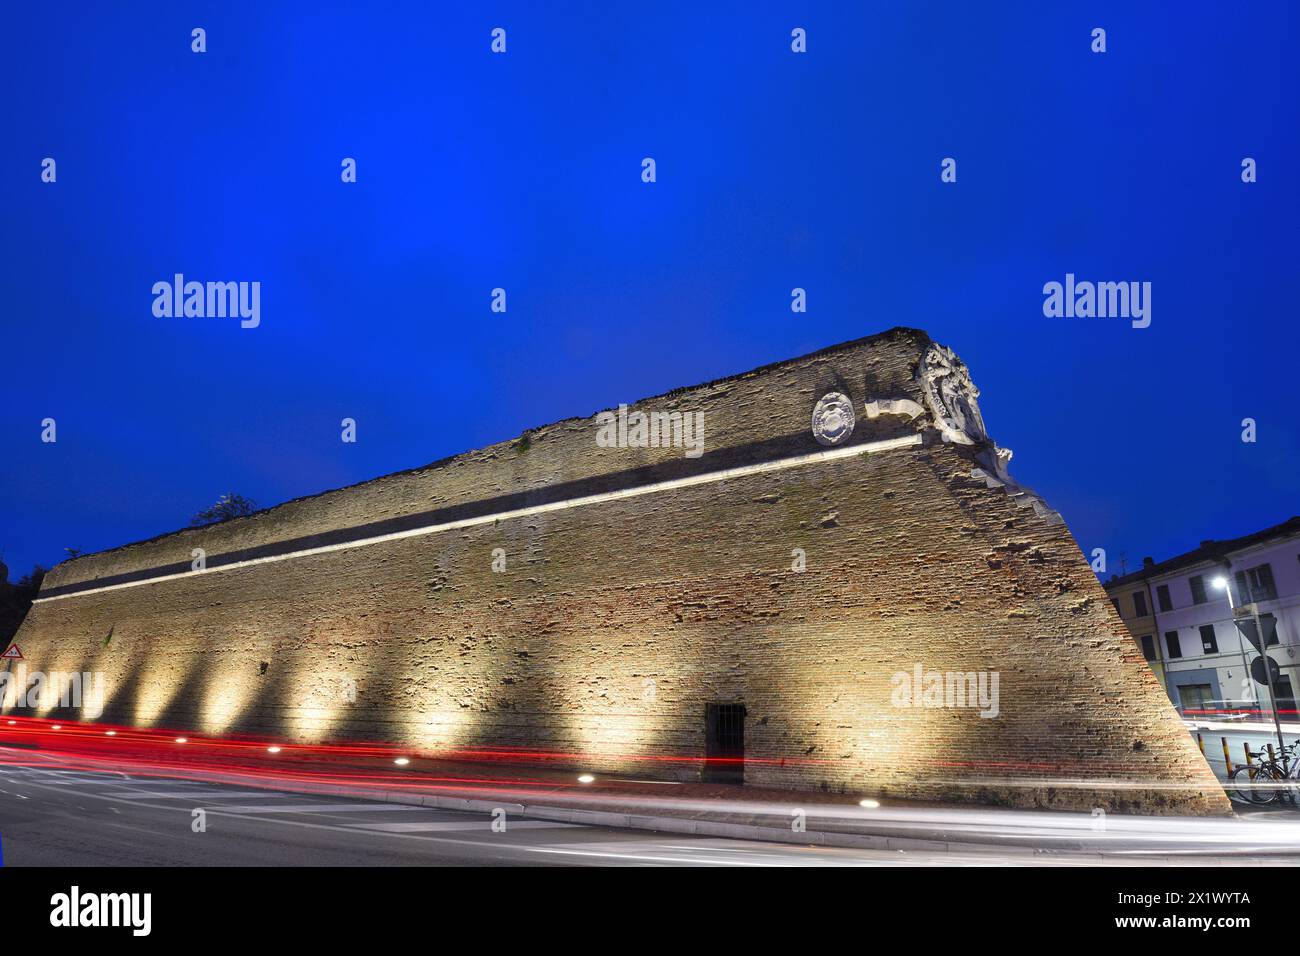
x=1261 y=784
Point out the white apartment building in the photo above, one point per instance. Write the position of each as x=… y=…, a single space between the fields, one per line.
x=1178 y=611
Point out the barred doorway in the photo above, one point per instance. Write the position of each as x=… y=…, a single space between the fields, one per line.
x=724 y=743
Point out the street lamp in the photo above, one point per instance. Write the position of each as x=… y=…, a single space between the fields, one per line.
x=1221 y=583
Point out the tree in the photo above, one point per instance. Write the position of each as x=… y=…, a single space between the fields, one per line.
x=227 y=507
x=31 y=581
x=16 y=600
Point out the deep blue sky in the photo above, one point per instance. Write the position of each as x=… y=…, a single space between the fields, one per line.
x=523 y=171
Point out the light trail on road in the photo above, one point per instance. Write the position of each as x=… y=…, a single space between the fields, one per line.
x=367 y=771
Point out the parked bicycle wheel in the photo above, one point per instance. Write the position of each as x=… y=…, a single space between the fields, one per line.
x=1241 y=783
x=1258 y=785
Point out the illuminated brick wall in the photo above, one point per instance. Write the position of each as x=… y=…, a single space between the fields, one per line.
x=616 y=622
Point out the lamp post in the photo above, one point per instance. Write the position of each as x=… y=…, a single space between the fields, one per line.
x=1222 y=582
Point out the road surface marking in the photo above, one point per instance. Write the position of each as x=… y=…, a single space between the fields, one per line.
x=195 y=794
x=658 y=856
x=485 y=825
x=320 y=808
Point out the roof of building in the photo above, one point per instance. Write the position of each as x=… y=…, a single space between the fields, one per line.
x=1213 y=551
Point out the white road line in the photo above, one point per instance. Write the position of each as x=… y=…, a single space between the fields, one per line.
x=720 y=849
x=439 y=826
x=58 y=773
x=320 y=808
x=655 y=857
x=194 y=794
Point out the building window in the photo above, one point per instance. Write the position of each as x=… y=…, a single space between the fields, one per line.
x=1148 y=647
x=1162 y=598
x=1196 y=698
x=1140 y=604
x=1208 y=641
x=1115 y=601
x=1285 y=696
x=1256 y=584
x=1198 y=589
x=1171 y=642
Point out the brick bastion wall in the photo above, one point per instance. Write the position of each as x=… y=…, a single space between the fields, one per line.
x=552 y=594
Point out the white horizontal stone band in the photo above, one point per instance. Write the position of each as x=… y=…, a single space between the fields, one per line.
x=812 y=458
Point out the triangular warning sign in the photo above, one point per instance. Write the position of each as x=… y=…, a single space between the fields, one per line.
x=13 y=654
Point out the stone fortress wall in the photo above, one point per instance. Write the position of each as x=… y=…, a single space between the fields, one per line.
x=641 y=585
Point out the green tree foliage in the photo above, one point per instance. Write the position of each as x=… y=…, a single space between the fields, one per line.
x=227 y=507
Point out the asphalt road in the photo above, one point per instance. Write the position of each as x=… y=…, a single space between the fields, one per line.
x=75 y=818
x=79 y=818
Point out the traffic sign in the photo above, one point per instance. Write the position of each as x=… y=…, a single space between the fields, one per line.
x=13 y=654
x=1246 y=625
x=1261 y=676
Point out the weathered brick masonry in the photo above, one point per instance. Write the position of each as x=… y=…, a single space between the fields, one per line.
x=617 y=622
